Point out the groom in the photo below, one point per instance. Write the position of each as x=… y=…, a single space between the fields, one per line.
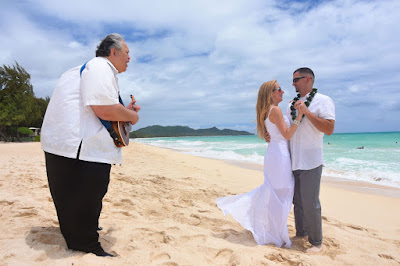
x=307 y=156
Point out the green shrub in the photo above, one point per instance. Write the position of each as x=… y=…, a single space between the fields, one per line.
x=25 y=131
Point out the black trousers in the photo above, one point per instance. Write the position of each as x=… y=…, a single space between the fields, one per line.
x=77 y=188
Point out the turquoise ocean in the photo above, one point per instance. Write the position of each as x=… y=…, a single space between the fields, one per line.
x=378 y=162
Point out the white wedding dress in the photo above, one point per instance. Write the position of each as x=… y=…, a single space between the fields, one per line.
x=264 y=210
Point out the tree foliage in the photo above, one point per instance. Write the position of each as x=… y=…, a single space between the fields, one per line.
x=18 y=104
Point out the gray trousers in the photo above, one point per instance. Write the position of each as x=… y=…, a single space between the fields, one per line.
x=307 y=208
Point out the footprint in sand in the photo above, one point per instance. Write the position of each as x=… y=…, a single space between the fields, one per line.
x=280 y=258
x=162 y=237
x=226 y=256
x=162 y=257
x=125 y=204
x=45 y=235
x=126 y=213
x=28 y=212
x=356 y=227
x=9 y=256
x=243 y=237
x=332 y=248
x=194 y=219
x=6 y=203
x=324 y=218
x=388 y=257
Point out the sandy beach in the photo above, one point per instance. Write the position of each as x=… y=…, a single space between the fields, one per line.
x=160 y=210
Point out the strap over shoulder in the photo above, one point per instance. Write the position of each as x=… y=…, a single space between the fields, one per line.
x=82 y=68
x=106 y=124
x=270 y=111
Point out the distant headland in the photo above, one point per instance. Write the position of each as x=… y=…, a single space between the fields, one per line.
x=182 y=131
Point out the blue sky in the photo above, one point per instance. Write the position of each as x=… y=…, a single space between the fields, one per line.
x=200 y=63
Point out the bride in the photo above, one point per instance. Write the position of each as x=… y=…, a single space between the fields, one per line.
x=265 y=209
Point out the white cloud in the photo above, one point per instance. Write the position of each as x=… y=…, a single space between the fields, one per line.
x=200 y=63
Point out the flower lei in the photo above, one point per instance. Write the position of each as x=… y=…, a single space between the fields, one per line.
x=307 y=102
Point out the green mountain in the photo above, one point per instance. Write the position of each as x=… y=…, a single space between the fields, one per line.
x=180 y=131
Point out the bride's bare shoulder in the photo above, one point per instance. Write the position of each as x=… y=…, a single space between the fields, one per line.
x=275 y=114
x=276 y=110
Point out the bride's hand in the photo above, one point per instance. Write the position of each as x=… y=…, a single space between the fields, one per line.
x=300 y=107
x=300 y=112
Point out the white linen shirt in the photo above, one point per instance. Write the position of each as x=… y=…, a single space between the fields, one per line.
x=306 y=144
x=69 y=119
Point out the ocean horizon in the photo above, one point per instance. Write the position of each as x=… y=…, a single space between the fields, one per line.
x=372 y=157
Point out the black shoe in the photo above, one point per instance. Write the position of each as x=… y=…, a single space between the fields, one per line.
x=101 y=253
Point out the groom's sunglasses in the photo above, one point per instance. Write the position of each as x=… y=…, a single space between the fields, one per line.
x=297 y=79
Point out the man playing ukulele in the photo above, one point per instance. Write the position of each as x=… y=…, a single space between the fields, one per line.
x=78 y=148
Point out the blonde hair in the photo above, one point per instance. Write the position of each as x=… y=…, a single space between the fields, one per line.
x=264 y=102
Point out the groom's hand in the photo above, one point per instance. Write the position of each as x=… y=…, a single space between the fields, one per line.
x=267 y=137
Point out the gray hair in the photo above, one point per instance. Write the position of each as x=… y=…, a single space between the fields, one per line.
x=112 y=40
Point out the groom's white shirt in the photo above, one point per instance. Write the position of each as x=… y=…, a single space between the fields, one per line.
x=307 y=142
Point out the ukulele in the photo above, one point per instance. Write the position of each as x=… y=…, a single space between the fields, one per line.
x=122 y=129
